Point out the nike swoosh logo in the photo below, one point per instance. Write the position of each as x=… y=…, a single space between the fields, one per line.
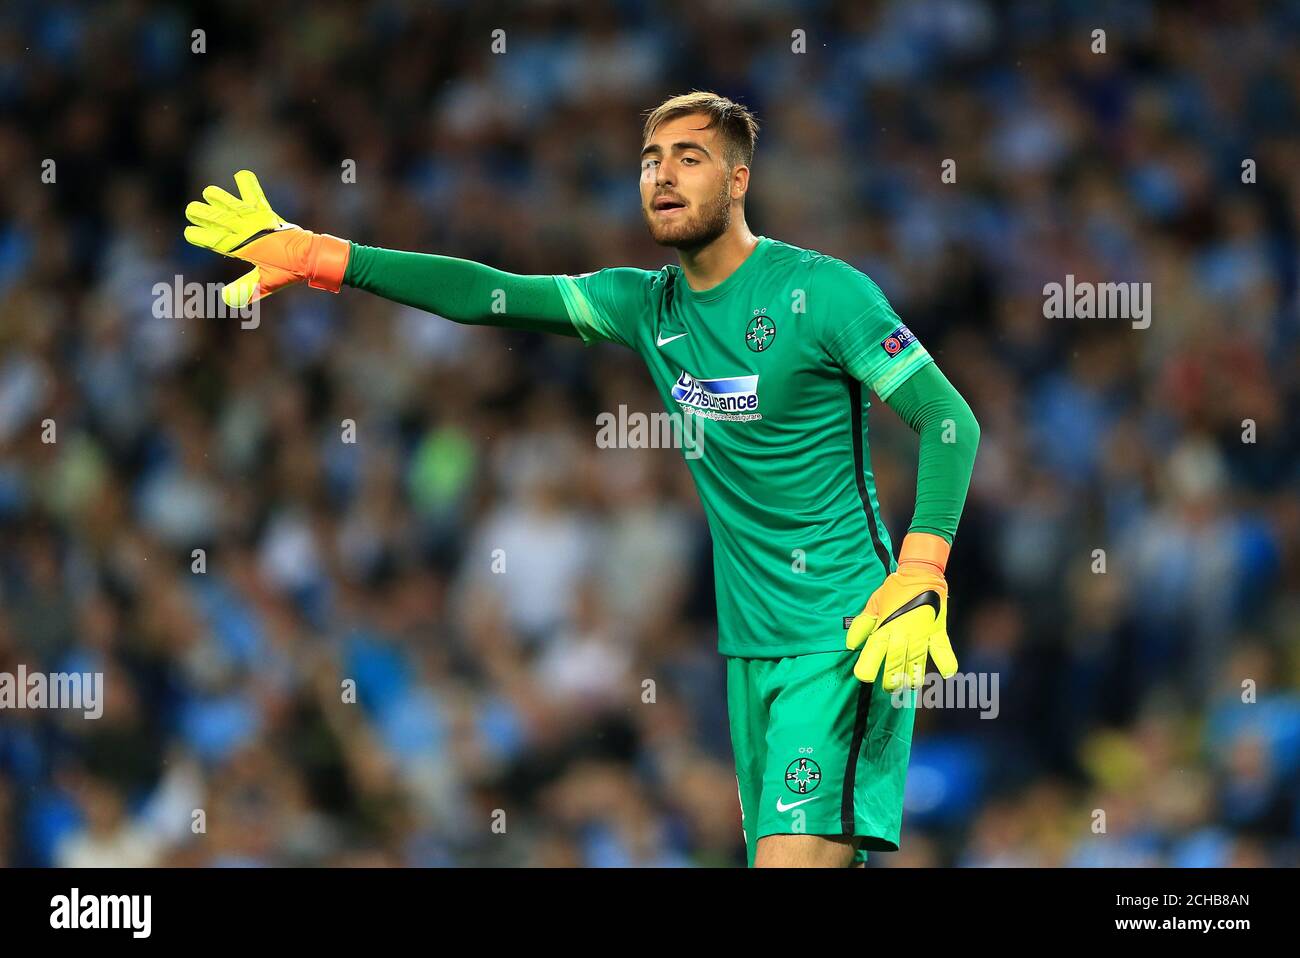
x=783 y=807
x=664 y=342
x=929 y=597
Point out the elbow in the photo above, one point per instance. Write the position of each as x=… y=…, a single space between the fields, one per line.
x=974 y=432
x=969 y=433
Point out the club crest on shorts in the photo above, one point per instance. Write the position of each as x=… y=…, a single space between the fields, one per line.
x=760 y=332
x=802 y=776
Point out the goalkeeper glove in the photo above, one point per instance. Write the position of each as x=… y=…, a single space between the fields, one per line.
x=245 y=227
x=906 y=619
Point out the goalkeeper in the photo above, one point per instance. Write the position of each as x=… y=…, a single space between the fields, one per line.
x=775 y=349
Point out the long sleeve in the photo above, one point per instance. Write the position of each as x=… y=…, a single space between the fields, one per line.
x=930 y=404
x=460 y=290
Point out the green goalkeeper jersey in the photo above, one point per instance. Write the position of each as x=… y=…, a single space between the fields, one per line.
x=771 y=365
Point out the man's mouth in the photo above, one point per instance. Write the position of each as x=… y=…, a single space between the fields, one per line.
x=668 y=204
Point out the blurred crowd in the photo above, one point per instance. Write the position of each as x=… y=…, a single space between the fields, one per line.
x=471 y=637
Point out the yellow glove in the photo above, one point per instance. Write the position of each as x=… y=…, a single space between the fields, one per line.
x=906 y=619
x=282 y=254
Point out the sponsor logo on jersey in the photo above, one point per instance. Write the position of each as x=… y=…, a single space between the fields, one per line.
x=898 y=340
x=733 y=398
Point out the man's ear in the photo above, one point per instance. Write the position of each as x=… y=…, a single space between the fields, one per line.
x=739 y=182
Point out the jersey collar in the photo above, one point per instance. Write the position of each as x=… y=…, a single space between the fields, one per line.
x=735 y=279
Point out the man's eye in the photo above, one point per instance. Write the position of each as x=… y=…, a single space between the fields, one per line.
x=692 y=161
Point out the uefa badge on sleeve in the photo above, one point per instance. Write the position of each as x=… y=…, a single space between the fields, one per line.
x=898 y=340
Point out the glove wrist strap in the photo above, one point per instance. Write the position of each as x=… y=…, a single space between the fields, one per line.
x=924 y=547
x=329 y=262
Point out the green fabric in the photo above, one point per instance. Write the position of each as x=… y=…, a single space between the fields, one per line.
x=818 y=752
x=949 y=436
x=460 y=290
x=599 y=302
x=770 y=371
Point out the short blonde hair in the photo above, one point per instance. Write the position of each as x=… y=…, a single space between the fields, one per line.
x=739 y=127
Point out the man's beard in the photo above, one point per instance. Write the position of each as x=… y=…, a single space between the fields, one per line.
x=704 y=226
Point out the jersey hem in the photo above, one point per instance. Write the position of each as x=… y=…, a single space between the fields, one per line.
x=739 y=651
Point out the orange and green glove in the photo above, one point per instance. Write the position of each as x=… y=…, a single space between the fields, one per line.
x=245 y=227
x=906 y=619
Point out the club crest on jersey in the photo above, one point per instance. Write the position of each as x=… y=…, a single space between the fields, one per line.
x=734 y=398
x=760 y=332
x=898 y=340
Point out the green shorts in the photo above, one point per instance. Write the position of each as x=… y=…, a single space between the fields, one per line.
x=817 y=751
